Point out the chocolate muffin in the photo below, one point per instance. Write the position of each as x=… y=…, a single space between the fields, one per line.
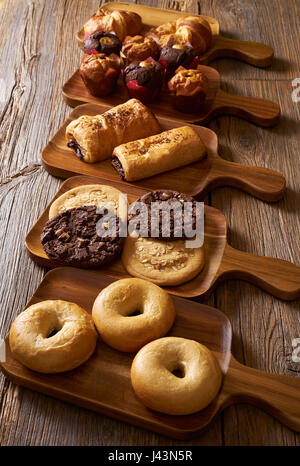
x=173 y=55
x=144 y=79
x=72 y=237
x=102 y=42
x=167 y=199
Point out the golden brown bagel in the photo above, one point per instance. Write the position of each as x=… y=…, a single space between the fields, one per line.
x=73 y=343
x=175 y=376
x=114 y=306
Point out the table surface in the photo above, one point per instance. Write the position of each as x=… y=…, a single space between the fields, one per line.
x=38 y=54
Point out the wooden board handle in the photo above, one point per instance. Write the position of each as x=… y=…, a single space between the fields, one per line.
x=254 y=53
x=259 y=111
x=265 y=184
x=278 y=395
x=278 y=277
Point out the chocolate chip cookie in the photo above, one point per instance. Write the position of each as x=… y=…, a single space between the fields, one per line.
x=72 y=237
x=173 y=229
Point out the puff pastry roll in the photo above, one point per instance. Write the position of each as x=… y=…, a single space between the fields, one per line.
x=157 y=154
x=93 y=138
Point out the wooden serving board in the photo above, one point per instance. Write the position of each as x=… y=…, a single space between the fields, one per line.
x=278 y=277
x=103 y=383
x=262 y=112
x=196 y=179
x=254 y=53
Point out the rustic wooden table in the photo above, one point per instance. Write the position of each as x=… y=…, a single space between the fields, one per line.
x=38 y=53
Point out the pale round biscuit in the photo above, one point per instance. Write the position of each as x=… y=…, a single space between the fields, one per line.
x=164 y=263
x=175 y=376
x=90 y=194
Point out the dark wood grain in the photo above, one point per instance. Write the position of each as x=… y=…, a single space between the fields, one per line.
x=103 y=383
x=196 y=179
x=43 y=57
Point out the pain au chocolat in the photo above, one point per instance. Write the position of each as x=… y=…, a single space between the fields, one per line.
x=93 y=138
x=157 y=154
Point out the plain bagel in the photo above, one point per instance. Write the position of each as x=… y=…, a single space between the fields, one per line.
x=175 y=376
x=116 y=319
x=53 y=336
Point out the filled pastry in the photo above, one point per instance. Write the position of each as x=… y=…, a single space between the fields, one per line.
x=139 y=48
x=122 y=23
x=188 y=90
x=102 y=42
x=157 y=154
x=143 y=80
x=192 y=30
x=100 y=73
x=93 y=138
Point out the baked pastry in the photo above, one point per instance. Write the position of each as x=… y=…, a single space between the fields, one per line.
x=192 y=30
x=131 y=312
x=143 y=80
x=188 y=90
x=169 y=221
x=82 y=237
x=165 y=263
x=102 y=42
x=174 y=55
x=176 y=376
x=93 y=138
x=157 y=154
x=90 y=194
x=53 y=336
x=122 y=23
x=100 y=73
x=138 y=48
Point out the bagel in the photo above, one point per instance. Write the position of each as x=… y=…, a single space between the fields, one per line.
x=175 y=376
x=32 y=344
x=114 y=306
x=90 y=194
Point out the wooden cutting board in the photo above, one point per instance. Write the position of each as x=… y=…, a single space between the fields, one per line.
x=196 y=179
x=262 y=112
x=103 y=383
x=254 y=53
x=278 y=277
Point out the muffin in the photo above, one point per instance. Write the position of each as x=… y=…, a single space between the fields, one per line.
x=100 y=73
x=102 y=42
x=174 y=55
x=188 y=90
x=144 y=79
x=138 y=48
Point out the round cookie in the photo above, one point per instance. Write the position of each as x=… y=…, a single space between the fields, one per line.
x=90 y=194
x=172 y=230
x=175 y=376
x=131 y=312
x=162 y=262
x=71 y=238
x=53 y=336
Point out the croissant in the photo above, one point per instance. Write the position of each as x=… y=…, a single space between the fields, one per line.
x=192 y=30
x=93 y=138
x=122 y=23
